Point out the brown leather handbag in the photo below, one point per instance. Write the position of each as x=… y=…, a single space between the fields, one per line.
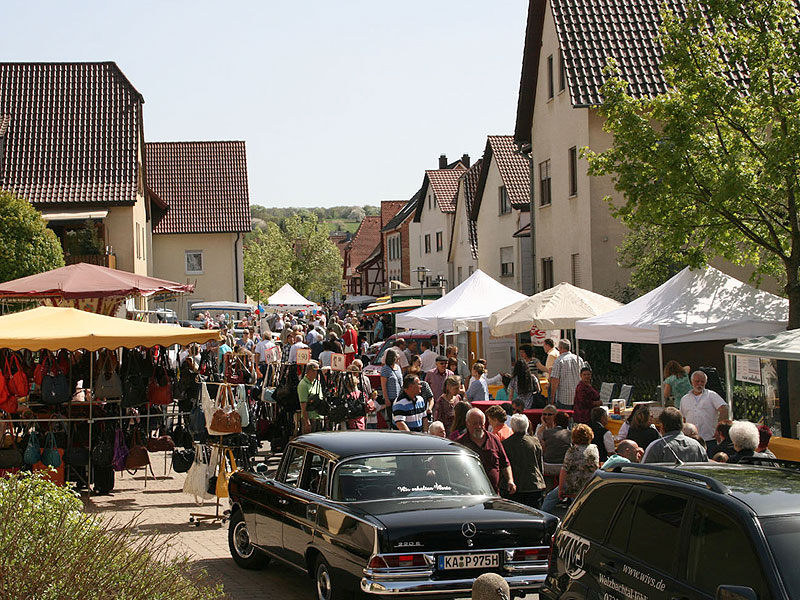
x=138 y=456
x=225 y=419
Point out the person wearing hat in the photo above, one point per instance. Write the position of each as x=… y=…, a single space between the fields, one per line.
x=436 y=376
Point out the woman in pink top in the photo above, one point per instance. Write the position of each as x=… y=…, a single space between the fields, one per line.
x=444 y=407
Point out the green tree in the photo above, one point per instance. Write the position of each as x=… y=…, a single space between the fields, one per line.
x=267 y=258
x=712 y=163
x=317 y=263
x=27 y=246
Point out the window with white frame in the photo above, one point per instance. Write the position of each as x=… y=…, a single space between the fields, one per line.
x=138 y=241
x=427 y=243
x=194 y=262
x=550 y=76
x=545 y=190
x=439 y=241
x=460 y=275
x=507 y=261
x=562 y=71
x=504 y=203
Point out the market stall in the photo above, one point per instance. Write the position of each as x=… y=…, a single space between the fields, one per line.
x=61 y=376
x=695 y=305
x=288 y=298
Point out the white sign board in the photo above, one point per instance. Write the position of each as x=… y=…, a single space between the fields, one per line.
x=616 y=353
x=748 y=369
x=538 y=336
x=303 y=356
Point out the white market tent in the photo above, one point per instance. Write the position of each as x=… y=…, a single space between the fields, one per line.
x=779 y=346
x=288 y=298
x=555 y=308
x=474 y=300
x=695 y=305
x=223 y=306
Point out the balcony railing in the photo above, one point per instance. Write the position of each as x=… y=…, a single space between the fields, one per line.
x=104 y=260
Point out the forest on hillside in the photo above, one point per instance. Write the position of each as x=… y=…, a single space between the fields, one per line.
x=336 y=218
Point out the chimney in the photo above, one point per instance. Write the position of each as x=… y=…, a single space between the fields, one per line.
x=465 y=160
x=442 y=161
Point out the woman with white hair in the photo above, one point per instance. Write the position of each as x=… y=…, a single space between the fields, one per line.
x=745 y=439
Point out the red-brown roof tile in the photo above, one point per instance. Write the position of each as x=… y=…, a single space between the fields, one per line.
x=365 y=239
x=389 y=208
x=514 y=172
x=444 y=183
x=204 y=184
x=73 y=132
x=470 y=188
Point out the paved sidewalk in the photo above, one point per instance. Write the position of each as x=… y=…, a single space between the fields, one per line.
x=162 y=508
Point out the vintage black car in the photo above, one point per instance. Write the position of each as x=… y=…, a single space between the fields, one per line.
x=386 y=513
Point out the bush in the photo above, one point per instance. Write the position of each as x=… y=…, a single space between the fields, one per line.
x=51 y=550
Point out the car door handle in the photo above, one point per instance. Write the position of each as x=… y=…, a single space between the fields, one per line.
x=312 y=511
x=283 y=501
x=608 y=567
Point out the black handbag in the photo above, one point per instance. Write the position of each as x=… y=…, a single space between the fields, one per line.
x=182 y=460
x=77 y=456
x=55 y=388
x=102 y=453
x=136 y=372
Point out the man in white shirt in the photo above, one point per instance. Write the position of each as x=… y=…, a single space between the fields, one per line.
x=552 y=355
x=313 y=336
x=428 y=356
x=400 y=349
x=298 y=343
x=704 y=409
x=266 y=351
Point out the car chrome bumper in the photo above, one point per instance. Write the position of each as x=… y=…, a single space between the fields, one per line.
x=390 y=587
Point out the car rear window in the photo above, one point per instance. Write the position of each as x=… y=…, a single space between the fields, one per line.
x=783 y=536
x=408 y=476
x=597 y=510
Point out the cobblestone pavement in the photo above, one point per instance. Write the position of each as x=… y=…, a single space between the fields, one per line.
x=161 y=508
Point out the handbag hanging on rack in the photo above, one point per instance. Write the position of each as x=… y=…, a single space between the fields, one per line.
x=55 y=383
x=16 y=379
x=11 y=457
x=159 y=389
x=224 y=475
x=138 y=456
x=120 y=450
x=196 y=482
x=225 y=419
x=107 y=384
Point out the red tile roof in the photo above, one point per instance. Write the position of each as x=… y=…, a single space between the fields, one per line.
x=204 y=184
x=73 y=132
x=365 y=240
x=514 y=172
x=470 y=188
x=444 y=183
x=389 y=208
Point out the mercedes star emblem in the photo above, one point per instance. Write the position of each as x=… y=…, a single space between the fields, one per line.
x=468 y=529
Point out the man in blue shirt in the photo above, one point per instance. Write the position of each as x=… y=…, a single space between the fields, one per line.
x=409 y=411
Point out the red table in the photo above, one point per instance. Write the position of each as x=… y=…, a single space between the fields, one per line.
x=534 y=414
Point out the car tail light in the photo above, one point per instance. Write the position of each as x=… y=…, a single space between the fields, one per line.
x=531 y=554
x=551 y=559
x=394 y=561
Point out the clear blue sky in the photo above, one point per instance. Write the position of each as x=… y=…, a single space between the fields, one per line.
x=339 y=101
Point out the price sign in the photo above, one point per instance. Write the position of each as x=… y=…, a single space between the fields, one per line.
x=616 y=353
x=303 y=356
x=748 y=368
x=337 y=362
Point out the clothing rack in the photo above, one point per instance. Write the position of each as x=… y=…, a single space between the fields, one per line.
x=198 y=518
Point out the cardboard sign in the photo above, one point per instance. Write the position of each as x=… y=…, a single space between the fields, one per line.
x=616 y=353
x=337 y=362
x=303 y=356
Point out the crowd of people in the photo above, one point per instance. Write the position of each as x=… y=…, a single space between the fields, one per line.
x=423 y=391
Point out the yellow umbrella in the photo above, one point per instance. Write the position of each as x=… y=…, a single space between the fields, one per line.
x=54 y=328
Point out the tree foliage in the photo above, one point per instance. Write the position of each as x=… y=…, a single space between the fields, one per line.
x=299 y=253
x=27 y=246
x=710 y=166
x=262 y=214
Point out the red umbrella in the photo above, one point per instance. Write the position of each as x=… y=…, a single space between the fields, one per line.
x=84 y=280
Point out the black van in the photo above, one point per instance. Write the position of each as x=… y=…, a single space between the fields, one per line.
x=729 y=532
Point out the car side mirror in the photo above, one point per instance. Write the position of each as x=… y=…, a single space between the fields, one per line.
x=735 y=592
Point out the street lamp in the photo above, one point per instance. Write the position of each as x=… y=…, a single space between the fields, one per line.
x=422 y=273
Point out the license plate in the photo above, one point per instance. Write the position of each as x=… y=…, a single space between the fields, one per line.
x=469 y=561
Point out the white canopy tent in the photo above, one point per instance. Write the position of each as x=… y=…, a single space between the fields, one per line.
x=474 y=300
x=288 y=298
x=693 y=306
x=555 y=308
